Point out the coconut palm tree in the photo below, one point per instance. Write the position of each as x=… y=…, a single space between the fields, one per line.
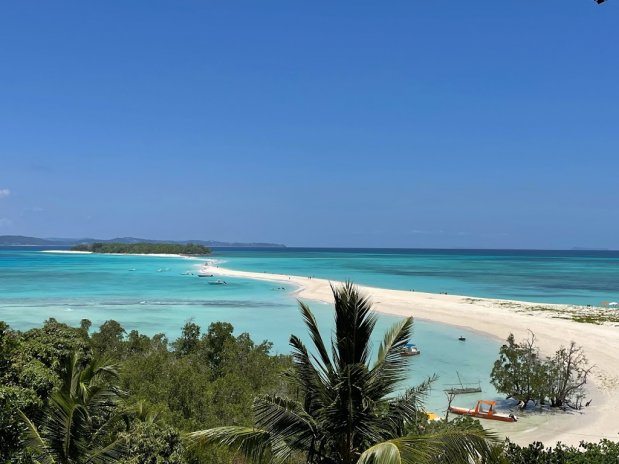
x=74 y=427
x=349 y=409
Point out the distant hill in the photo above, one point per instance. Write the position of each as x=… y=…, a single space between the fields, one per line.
x=13 y=240
x=17 y=240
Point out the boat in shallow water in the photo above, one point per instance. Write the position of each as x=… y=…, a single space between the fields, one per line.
x=462 y=388
x=484 y=410
x=410 y=350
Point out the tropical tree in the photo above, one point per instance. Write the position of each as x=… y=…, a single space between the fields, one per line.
x=76 y=425
x=348 y=408
x=519 y=372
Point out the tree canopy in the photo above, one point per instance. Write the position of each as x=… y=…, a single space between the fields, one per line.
x=522 y=373
x=144 y=248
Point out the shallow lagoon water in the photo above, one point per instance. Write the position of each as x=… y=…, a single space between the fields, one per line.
x=155 y=294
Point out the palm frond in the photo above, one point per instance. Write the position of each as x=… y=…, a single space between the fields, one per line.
x=307 y=376
x=459 y=444
x=36 y=441
x=395 y=338
x=108 y=454
x=390 y=367
x=350 y=409
x=455 y=445
x=67 y=426
x=418 y=393
x=312 y=326
x=381 y=453
x=354 y=324
x=252 y=443
x=76 y=425
x=283 y=417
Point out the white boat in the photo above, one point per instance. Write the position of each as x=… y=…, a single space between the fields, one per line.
x=410 y=350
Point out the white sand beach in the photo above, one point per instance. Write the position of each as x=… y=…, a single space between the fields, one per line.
x=552 y=324
x=72 y=252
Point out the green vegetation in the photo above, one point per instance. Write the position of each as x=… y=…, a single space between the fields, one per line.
x=76 y=425
x=345 y=409
x=604 y=452
x=61 y=403
x=69 y=395
x=523 y=374
x=144 y=248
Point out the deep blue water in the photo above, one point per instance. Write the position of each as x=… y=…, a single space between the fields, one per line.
x=570 y=277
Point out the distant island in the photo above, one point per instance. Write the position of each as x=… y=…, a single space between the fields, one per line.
x=144 y=248
x=21 y=240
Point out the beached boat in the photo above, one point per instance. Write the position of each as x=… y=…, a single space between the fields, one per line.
x=484 y=410
x=410 y=350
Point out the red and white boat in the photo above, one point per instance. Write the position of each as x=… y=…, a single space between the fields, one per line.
x=484 y=410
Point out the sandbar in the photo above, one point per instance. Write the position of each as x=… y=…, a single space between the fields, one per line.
x=552 y=324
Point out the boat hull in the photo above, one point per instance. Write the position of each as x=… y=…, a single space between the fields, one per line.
x=463 y=391
x=481 y=415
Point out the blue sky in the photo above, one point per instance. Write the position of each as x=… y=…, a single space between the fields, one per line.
x=396 y=124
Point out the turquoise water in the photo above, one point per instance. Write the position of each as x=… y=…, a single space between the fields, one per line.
x=570 y=277
x=153 y=294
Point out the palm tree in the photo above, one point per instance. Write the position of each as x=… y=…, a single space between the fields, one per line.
x=349 y=410
x=75 y=426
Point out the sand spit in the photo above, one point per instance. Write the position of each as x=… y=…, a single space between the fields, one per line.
x=554 y=325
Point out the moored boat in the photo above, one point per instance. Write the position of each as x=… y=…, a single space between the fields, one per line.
x=410 y=350
x=484 y=409
x=461 y=388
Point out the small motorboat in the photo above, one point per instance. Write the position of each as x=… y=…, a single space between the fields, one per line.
x=410 y=350
x=484 y=409
x=461 y=338
x=217 y=282
x=205 y=275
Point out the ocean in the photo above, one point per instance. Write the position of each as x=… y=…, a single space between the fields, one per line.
x=159 y=294
x=568 y=277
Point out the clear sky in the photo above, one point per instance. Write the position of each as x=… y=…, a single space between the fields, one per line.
x=390 y=124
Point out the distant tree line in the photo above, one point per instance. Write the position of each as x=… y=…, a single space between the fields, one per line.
x=144 y=248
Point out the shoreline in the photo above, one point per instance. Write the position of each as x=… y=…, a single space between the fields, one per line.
x=554 y=325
